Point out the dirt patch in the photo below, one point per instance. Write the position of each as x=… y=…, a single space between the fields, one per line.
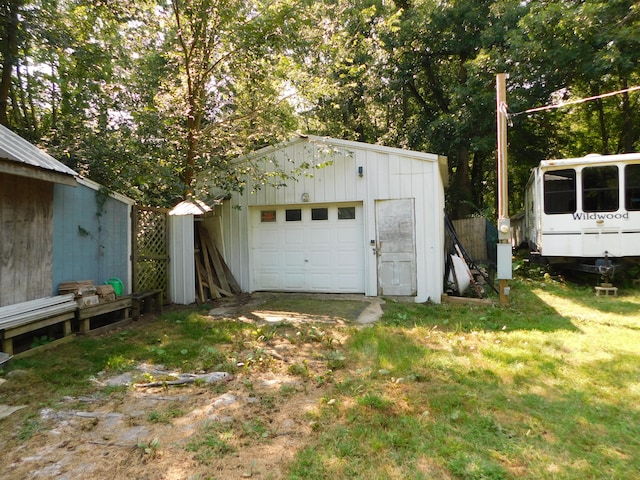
x=113 y=436
x=249 y=425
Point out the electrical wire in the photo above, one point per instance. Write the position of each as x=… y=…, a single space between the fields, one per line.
x=574 y=102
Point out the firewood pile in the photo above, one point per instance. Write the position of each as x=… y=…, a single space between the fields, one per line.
x=213 y=277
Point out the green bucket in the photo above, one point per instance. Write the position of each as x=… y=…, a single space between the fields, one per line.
x=116 y=283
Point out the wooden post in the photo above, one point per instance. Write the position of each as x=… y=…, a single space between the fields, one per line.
x=501 y=118
x=504 y=225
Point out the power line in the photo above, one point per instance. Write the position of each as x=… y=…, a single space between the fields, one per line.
x=574 y=102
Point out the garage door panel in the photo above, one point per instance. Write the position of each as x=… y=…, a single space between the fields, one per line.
x=320 y=258
x=267 y=237
x=345 y=282
x=347 y=259
x=320 y=282
x=293 y=237
x=308 y=255
x=266 y=259
x=294 y=259
x=294 y=281
x=269 y=281
x=319 y=236
x=348 y=234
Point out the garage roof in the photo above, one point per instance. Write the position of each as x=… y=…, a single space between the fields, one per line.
x=330 y=142
x=21 y=158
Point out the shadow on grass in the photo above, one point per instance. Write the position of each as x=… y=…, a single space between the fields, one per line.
x=524 y=312
x=460 y=417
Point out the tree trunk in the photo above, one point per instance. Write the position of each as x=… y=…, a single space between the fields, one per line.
x=461 y=196
x=9 y=53
x=604 y=133
x=627 y=120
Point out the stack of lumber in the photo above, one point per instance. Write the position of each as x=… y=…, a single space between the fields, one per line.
x=86 y=293
x=79 y=288
x=83 y=291
x=106 y=293
x=213 y=277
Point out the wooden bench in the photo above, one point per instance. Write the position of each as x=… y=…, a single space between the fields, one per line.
x=122 y=305
x=142 y=302
x=606 y=291
x=26 y=317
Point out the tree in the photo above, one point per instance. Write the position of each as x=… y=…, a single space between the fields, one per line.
x=9 y=46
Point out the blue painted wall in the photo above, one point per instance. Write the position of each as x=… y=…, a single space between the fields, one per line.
x=87 y=246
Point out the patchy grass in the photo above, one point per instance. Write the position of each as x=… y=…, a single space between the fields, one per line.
x=546 y=387
x=332 y=307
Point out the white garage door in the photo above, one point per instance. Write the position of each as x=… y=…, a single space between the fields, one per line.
x=308 y=248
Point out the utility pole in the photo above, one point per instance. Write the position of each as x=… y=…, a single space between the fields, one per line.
x=504 y=223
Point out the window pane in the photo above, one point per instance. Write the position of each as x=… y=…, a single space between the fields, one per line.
x=560 y=191
x=600 y=191
x=346 y=213
x=632 y=187
x=268 y=216
x=319 y=214
x=294 y=215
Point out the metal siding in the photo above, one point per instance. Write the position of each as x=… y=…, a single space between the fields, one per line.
x=17 y=149
x=98 y=256
x=387 y=173
x=182 y=288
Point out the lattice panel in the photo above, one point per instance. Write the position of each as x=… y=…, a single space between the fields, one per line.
x=150 y=250
x=151 y=274
x=151 y=234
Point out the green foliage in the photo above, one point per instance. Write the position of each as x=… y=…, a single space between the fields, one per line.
x=30 y=426
x=150 y=448
x=142 y=97
x=43 y=340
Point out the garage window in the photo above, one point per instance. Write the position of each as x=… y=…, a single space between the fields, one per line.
x=319 y=214
x=268 y=216
x=294 y=215
x=346 y=213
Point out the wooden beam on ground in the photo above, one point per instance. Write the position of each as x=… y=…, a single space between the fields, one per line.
x=207 y=264
x=215 y=259
x=235 y=286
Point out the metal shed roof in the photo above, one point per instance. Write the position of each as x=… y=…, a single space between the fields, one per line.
x=19 y=157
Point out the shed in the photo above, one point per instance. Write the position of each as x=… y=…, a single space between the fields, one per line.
x=338 y=216
x=56 y=226
x=181 y=249
x=27 y=179
x=91 y=234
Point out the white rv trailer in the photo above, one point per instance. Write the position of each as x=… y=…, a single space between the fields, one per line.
x=584 y=212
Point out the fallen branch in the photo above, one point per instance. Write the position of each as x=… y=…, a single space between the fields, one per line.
x=112 y=444
x=187 y=379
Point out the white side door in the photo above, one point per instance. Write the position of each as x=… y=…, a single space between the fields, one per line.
x=396 y=247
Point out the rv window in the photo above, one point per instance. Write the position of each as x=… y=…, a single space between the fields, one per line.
x=632 y=187
x=560 y=191
x=600 y=190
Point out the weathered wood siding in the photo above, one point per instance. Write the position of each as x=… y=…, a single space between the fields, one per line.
x=90 y=242
x=472 y=233
x=26 y=232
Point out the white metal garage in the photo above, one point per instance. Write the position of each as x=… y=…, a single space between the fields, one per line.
x=348 y=217
x=310 y=248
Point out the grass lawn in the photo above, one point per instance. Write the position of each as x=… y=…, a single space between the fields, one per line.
x=547 y=387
